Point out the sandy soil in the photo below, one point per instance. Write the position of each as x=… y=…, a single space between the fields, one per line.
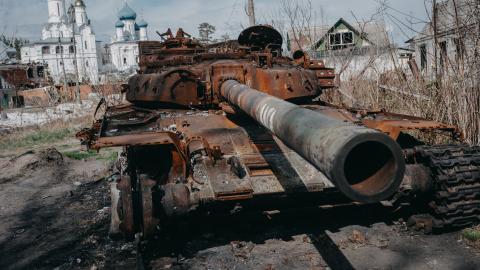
x=310 y=239
x=55 y=215
x=52 y=209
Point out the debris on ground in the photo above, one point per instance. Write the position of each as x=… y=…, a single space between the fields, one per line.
x=25 y=117
x=357 y=237
x=421 y=223
x=242 y=249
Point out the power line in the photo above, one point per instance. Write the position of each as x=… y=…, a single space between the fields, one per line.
x=400 y=12
x=402 y=23
x=398 y=26
x=233 y=8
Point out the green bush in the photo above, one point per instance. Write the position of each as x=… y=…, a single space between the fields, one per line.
x=472 y=234
x=80 y=155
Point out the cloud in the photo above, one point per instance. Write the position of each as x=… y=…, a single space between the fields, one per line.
x=25 y=17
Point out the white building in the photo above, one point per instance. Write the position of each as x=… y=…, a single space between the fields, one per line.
x=444 y=49
x=7 y=53
x=124 y=46
x=68 y=43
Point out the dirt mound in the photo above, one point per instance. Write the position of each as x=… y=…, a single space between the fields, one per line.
x=47 y=157
x=30 y=162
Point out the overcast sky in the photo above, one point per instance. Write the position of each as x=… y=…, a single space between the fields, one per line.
x=24 y=18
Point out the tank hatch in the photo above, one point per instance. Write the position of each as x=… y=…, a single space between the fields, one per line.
x=261 y=37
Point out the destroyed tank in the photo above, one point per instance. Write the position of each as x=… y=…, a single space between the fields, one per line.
x=236 y=126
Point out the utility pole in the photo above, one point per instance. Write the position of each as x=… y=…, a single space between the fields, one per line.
x=62 y=63
x=435 y=37
x=78 y=97
x=251 y=13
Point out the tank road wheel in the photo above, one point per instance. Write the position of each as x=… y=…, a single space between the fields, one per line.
x=114 y=231
x=149 y=221
x=455 y=202
x=122 y=221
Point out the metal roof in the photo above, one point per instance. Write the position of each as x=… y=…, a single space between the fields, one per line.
x=119 y=24
x=127 y=13
x=142 y=23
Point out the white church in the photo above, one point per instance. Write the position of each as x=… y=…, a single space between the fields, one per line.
x=68 y=44
x=124 y=52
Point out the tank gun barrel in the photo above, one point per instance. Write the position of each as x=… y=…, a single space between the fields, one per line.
x=364 y=164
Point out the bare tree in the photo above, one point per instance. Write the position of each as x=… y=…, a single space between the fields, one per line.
x=456 y=100
x=382 y=80
x=205 y=32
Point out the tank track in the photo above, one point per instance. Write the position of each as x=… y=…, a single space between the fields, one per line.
x=455 y=201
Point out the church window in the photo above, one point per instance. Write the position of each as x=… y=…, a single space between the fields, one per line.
x=40 y=72
x=86 y=63
x=71 y=49
x=423 y=56
x=86 y=44
x=30 y=73
x=45 y=50
x=124 y=60
x=59 y=49
x=58 y=9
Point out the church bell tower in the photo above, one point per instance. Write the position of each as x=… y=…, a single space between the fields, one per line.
x=56 y=11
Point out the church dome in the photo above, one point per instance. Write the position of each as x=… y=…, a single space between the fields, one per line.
x=142 y=23
x=137 y=28
x=127 y=13
x=79 y=3
x=119 y=24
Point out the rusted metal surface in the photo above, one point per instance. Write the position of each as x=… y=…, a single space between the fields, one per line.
x=126 y=207
x=150 y=221
x=418 y=179
x=389 y=123
x=236 y=124
x=393 y=127
x=327 y=143
x=136 y=140
x=180 y=71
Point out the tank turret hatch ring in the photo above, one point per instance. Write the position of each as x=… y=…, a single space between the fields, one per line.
x=261 y=36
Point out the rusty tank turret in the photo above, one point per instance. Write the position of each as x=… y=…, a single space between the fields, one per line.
x=237 y=126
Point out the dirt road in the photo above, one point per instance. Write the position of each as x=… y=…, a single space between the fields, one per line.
x=55 y=214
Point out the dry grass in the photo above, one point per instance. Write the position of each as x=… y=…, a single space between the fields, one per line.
x=447 y=91
x=456 y=101
x=51 y=133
